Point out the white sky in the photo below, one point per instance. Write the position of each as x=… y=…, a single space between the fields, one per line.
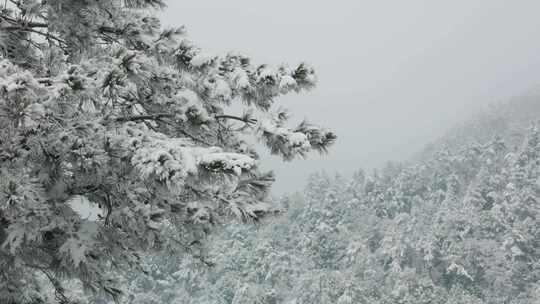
x=392 y=74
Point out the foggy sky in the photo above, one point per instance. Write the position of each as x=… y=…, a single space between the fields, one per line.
x=393 y=75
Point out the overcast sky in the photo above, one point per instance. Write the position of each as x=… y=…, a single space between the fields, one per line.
x=393 y=75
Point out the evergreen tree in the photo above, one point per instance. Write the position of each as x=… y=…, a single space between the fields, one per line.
x=101 y=107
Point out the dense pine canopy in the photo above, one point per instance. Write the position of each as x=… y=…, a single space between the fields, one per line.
x=103 y=110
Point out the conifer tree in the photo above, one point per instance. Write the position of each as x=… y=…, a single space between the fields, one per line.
x=100 y=107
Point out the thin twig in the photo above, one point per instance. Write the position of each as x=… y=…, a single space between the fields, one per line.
x=31 y=30
x=244 y=120
x=144 y=117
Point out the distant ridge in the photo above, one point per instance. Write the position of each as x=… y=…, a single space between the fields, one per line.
x=508 y=120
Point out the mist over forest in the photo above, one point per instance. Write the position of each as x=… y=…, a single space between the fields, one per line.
x=393 y=75
x=179 y=152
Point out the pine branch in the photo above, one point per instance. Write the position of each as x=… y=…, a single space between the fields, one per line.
x=242 y=119
x=144 y=117
x=188 y=248
x=46 y=81
x=158 y=117
x=30 y=24
x=31 y=30
x=193 y=137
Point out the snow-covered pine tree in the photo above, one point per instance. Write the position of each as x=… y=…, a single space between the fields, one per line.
x=102 y=108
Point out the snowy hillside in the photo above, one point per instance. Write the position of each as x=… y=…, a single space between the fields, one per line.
x=461 y=225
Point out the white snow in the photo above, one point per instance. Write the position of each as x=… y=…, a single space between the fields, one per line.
x=202 y=58
x=240 y=79
x=286 y=84
x=85 y=208
x=230 y=161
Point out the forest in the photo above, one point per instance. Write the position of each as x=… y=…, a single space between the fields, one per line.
x=129 y=173
x=459 y=224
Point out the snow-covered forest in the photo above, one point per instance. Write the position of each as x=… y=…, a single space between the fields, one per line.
x=458 y=225
x=130 y=173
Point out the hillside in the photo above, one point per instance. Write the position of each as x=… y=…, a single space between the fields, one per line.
x=508 y=120
x=461 y=224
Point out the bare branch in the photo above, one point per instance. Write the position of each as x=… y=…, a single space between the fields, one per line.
x=144 y=117
x=242 y=119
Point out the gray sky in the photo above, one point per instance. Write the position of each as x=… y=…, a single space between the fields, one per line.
x=393 y=75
